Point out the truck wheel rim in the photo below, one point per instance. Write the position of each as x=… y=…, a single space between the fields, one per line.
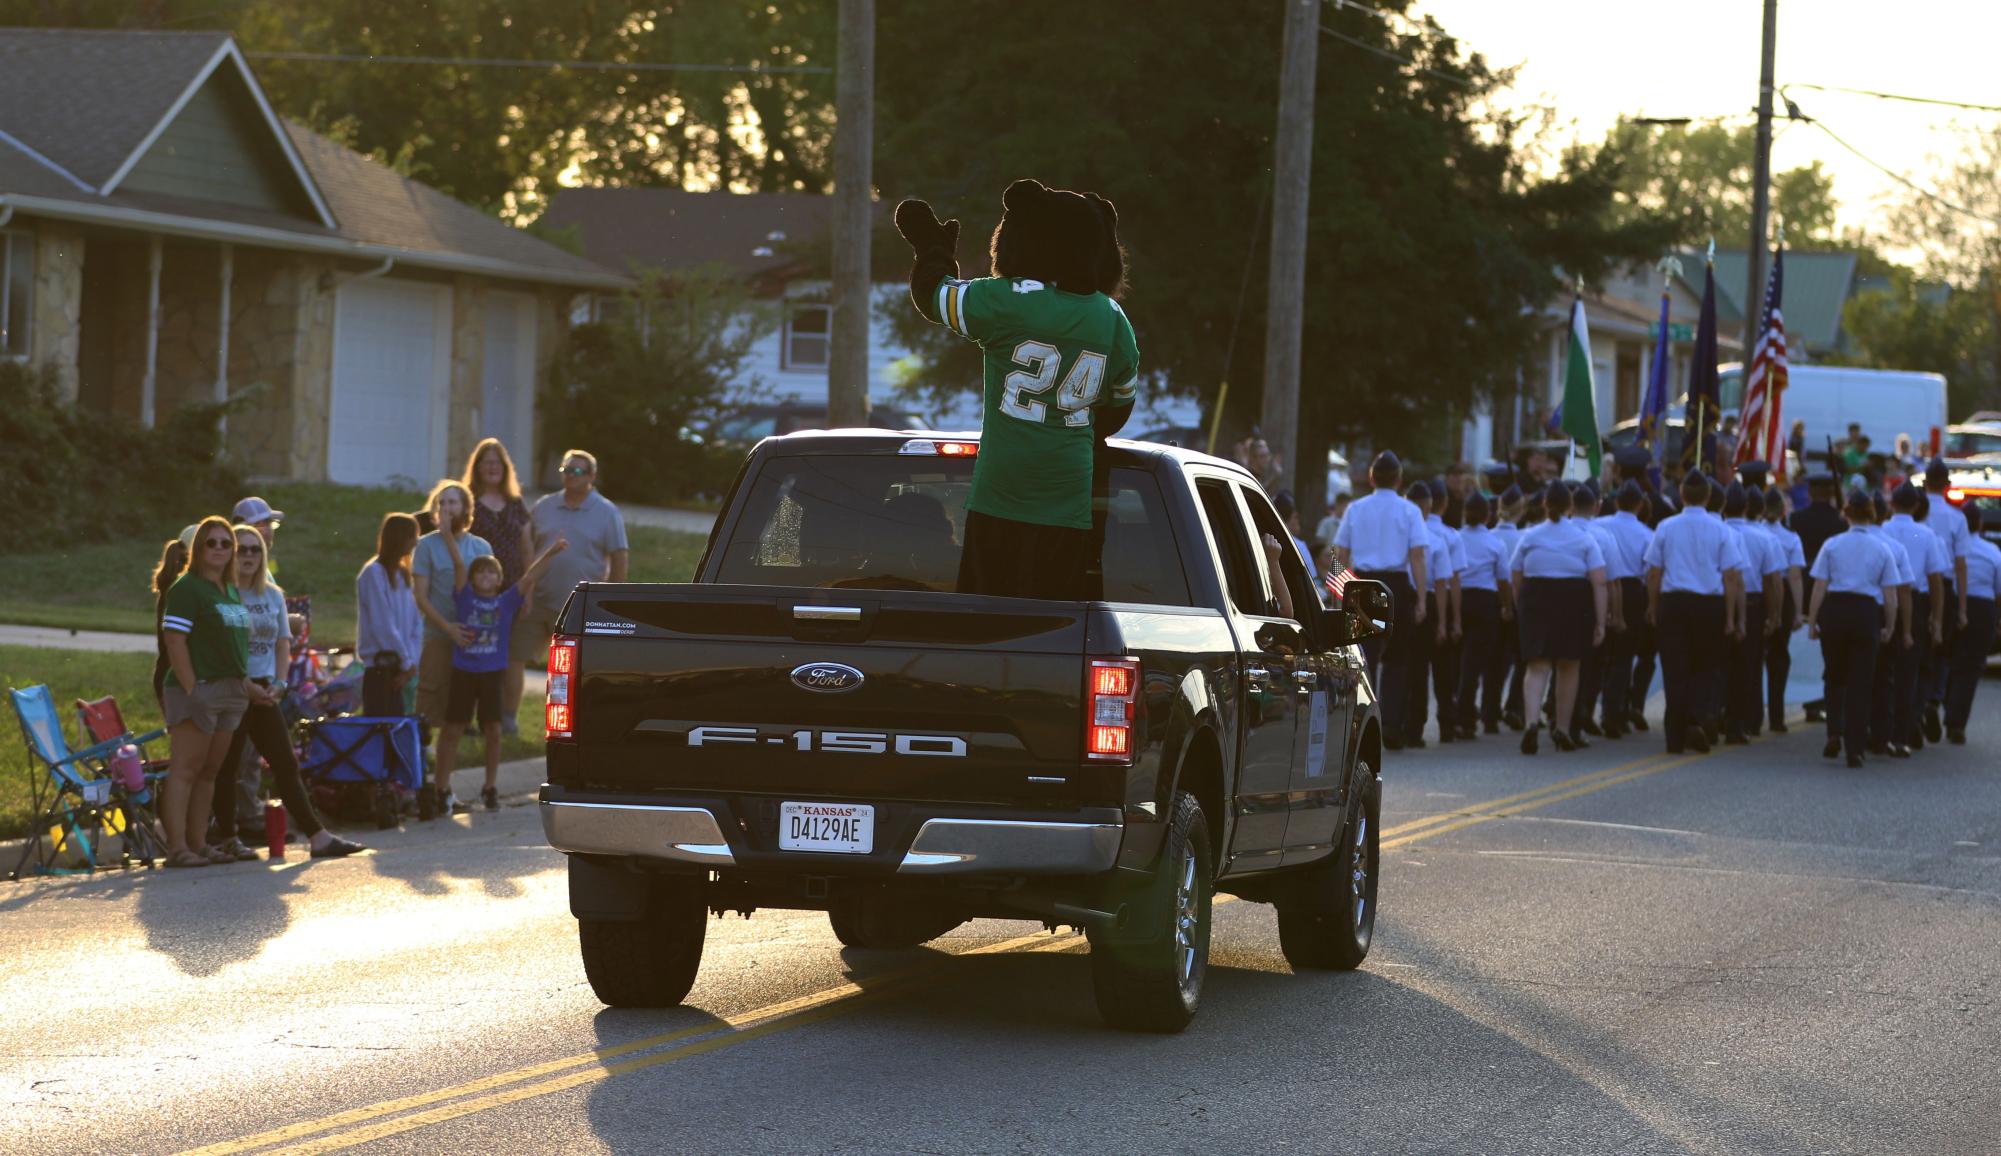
x=1358 y=883
x=1185 y=914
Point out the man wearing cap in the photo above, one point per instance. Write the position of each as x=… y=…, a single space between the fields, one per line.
x=1483 y=595
x=1383 y=538
x=1694 y=599
x=1764 y=567
x=1883 y=738
x=1792 y=610
x=1949 y=524
x=1443 y=562
x=1931 y=568
x=257 y=513
x=1585 y=504
x=1629 y=535
x=1504 y=666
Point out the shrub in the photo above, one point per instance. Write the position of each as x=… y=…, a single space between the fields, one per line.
x=73 y=477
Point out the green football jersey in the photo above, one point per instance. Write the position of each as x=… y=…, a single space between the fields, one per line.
x=1051 y=358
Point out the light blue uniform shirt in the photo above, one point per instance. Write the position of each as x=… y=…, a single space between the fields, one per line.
x=1380 y=531
x=1692 y=549
x=1949 y=524
x=1907 y=574
x=1437 y=555
x=1565 y=549
x=1631 y=536
x=1510 y=536
x=1608 y=548
x=1486 y=566
x=1761 y=555
x=1927 y=550
x=1983 y=568
x=1853 y=563
x=1789 y=542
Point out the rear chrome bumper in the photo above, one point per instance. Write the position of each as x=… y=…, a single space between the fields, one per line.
x=1011 y=847
x=684 y=834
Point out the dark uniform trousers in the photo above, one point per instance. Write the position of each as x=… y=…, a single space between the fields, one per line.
x=1480 y=641
x=1444 y=673
x=1936 y=670
x=1779 y=661
x=1390 y=659
x=1501 y=669
x=1969 y=661
x=1417 y=674
x=1690 y=635
x=1590 y=672
x=1849 y=628
x=1621 y=646
x=1906 y=687
x=1745 y=710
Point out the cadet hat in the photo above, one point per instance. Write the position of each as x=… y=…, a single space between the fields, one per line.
x=1733 y=499
x=1418 y=492
x=1630 y=492
x=251 y=511
x=1632 y=457
x=1905 y=496
x=1937 y=475
x=1494 y=469
x=1512 y=496
x=1753 y=472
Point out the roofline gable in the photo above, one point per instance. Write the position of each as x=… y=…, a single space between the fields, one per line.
x=228 y=51
x=36 y=155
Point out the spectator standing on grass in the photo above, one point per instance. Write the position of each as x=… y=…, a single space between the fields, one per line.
x=388 y=628
x=206 y=634
x=597 y=552
x=485 y=614
x=258 y=515
x=173 y=562
x=263 y=726
x=450 y=506
x=501 y=518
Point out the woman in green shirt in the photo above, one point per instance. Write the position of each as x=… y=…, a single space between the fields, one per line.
x=206 y=634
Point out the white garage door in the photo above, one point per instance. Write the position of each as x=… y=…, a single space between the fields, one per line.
x=507 y=409
x=391 y=381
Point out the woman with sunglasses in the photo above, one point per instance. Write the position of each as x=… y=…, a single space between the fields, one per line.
x=263 y=721
x=206 y=633
x=501 y=518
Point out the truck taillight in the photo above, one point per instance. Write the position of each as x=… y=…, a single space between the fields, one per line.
x=1112 y=709
x=559 y=716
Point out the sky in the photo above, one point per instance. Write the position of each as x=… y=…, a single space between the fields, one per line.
x=1595 y=62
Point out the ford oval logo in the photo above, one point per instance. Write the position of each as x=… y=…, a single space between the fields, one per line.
x=828 y=677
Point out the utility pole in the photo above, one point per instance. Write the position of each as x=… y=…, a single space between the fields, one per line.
x=854 y=135
x=1284 y=311
x=1761 y=189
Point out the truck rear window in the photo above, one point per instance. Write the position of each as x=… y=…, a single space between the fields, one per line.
x=896 y=523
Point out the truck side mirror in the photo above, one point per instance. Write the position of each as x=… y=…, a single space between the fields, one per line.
x=1368 y=607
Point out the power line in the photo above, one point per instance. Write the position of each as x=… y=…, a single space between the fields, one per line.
x=552 y=65
x=1902 y=179
x=1386 y=54
x=1896 y=96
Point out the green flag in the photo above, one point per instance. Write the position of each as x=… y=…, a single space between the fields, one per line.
x=1580 y=398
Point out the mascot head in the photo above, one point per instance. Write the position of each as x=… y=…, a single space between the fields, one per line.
x=1070 y=240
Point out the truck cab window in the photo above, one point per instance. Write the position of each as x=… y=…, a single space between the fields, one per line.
x=1233 y=544
x=1264 y=520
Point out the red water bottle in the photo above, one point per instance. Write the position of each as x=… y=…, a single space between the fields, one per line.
x=274 y=828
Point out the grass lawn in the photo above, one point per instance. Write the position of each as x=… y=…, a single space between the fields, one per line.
x=329 y=534
x=74 y=674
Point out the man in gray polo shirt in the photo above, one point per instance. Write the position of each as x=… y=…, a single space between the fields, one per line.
x=597 y=553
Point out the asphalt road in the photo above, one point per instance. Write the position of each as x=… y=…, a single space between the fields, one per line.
x=1611 y=951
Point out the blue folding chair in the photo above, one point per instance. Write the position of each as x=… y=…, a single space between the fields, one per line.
x=72 y=795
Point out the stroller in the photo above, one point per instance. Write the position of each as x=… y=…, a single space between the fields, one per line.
x=370 y=766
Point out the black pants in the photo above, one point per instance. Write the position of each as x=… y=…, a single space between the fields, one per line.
x=1501 y=665
x=1779 y=661
x=1417 y=672
x=1744 y=708
x=1969 y=661
x=1691 y=641
x=380 y=696
x=1480 y=641
x=265 y=727
x=1621 y=648
x=1516 y=706
x=1849 y=629
x=1590 y=680
x=1389 y=660
x=1906 y=686
x=1013 y=559
x=1936 y=667
x=1445 y=671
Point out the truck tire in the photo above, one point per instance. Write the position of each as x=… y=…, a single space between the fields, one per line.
x=882 y=922
x=649 y=962
x=1148 y=973
x=1327 y=914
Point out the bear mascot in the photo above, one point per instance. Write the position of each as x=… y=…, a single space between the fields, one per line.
x=1060 y=368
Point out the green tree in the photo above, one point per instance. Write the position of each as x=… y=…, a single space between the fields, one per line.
x=1699 y=176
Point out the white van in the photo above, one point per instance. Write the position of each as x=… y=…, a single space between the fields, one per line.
x=1885 y=402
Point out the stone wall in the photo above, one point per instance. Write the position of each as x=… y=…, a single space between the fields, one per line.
x=56 y=323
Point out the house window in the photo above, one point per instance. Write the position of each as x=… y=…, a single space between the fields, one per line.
x=806 y=331
x=17 y=283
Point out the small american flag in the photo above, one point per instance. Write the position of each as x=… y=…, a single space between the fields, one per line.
x=1336 y=579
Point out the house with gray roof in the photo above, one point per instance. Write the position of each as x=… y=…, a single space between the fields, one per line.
x=167 y=238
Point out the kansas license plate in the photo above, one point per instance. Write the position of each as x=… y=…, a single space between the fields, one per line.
x=843 y=828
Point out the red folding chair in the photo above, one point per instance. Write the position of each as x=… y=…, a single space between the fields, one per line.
x=104 y=722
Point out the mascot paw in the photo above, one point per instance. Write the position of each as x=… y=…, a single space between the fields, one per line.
x=921 y=227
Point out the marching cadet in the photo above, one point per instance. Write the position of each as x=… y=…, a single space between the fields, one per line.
x=1484 y=604
x=1694 y=598
x=1584 y=507
x=1883 y=739
x=1445 y=655
x=1764 y=569
x=1816 y=522
x=1630 y=535
x=1854 y=611
x=1560 y=570
x=1930 y=570
x=1504 y=668
x=1950 y=525
x=1430 y=642
x=1383 y=538
x=1778 y=648
x=1633 y=464
x=1976 y=636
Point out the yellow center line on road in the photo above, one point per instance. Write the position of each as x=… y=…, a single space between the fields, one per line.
x=365 y=1124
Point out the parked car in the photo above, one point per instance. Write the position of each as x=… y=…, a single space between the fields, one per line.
x=820 y=721
x=1970 y=440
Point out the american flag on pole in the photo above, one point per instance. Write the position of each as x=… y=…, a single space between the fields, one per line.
x=1765 y=382
x=1336 y=580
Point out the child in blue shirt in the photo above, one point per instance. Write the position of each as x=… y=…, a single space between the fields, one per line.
x=485 y=620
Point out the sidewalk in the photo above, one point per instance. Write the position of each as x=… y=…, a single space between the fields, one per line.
x=61 y=638
x=660 y=518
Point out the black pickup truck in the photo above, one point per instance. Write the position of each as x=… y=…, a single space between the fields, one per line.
x=820 y=721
